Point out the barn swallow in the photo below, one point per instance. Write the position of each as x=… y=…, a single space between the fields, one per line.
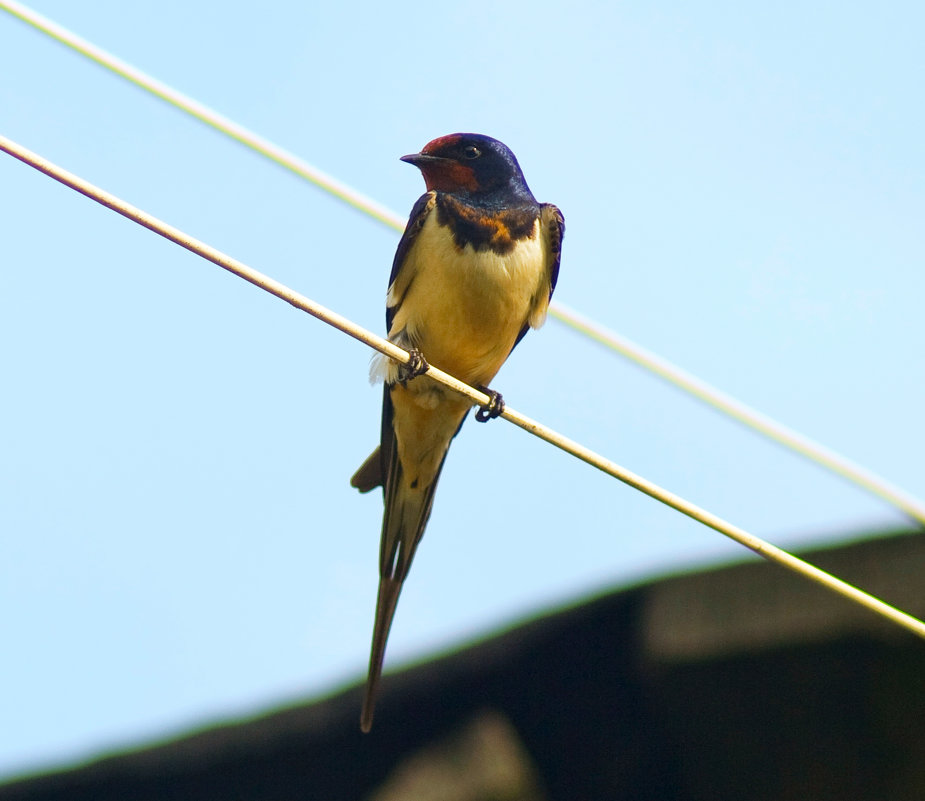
x=474 y=270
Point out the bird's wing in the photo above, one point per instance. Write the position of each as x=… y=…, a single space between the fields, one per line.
x=400 y=279
x=552 y=226
x=552 y=229
x=373 y=471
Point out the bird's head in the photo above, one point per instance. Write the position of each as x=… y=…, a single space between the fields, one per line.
x=472 y=164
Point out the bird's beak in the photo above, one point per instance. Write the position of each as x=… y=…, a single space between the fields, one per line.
x=420 y=159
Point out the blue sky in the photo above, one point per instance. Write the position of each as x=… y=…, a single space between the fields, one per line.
x=743 y=191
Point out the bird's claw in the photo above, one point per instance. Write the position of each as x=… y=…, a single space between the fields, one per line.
x=493 y=408
x=415 y=366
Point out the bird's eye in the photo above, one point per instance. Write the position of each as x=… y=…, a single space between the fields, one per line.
x=472 y=152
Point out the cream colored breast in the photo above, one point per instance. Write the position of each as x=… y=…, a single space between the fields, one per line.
x=465 y=308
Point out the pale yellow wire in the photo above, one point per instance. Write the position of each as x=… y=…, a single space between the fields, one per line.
x=205 y=114
x=700 y=389
x=749 y=416
x=240 y=269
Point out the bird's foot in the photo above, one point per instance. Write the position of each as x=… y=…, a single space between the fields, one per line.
x=493 y=408
x=416 y=365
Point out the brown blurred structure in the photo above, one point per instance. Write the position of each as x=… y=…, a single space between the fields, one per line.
x=743 y=682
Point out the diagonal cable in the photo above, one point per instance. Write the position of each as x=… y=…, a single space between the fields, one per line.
x=759 y=546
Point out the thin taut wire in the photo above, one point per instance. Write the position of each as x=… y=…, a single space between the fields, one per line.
x=736 y=409
x=672 y=373
x=759 y=546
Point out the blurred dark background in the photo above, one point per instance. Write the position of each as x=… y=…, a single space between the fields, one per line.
x=737 y=682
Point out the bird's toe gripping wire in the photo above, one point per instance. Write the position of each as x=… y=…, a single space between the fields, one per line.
x=415 y=366
x=493 y=408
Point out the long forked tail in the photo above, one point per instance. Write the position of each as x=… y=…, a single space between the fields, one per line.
x=407 y=509
x=408 y=500
x=403 y=523
x=389 y=590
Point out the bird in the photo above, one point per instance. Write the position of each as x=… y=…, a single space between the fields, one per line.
x=474 y=270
